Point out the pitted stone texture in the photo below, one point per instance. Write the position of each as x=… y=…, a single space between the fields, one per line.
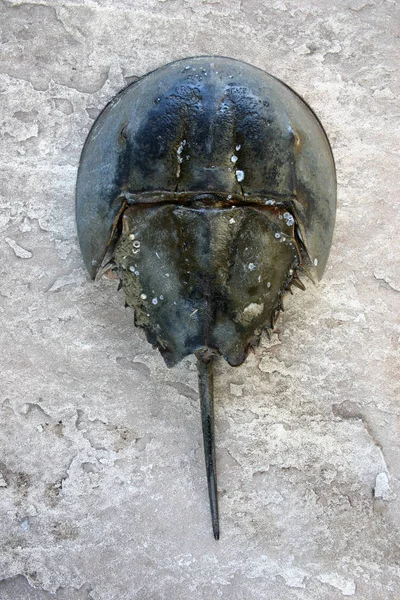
x=102 y=486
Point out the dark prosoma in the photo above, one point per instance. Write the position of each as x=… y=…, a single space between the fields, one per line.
x=208 y=186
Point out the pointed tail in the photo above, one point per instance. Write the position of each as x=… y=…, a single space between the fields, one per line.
x=205 y=372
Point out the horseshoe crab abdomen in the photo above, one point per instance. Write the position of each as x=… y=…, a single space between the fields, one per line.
x=196 y=276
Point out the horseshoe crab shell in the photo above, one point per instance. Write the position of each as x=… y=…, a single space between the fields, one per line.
x=212 y=184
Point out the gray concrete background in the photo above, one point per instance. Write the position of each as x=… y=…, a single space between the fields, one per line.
x=102 y=487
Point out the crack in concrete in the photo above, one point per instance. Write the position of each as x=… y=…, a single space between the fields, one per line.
x=53 y=490
x=387 y=281
x=29 y=408
x=183 y=389
x=80 y=38
x=229 y=460
x=350 y=411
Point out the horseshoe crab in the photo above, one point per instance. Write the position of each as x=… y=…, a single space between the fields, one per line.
x=211 y=187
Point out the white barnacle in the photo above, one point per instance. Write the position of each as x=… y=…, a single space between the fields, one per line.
x=251 y=266
x=143 y=296
x=180 y=150
x=132 y=236
x=154 y=301
x=229 y=197
x=277 y=235
x=290 y=271
x=238 y=147
x=161 y=297
x=240 y=176
x=232 y=221
x=179 y=157
x=234 y=158
x=268 y=284
x=315 y=262
x=270 y=202
x=136 y=244
x=166 y=274
x=288 y=218
x=252 y=311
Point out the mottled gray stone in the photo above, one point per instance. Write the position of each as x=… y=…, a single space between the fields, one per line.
x=102 y=487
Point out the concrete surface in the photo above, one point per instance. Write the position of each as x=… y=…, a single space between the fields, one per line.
x=102 y=486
